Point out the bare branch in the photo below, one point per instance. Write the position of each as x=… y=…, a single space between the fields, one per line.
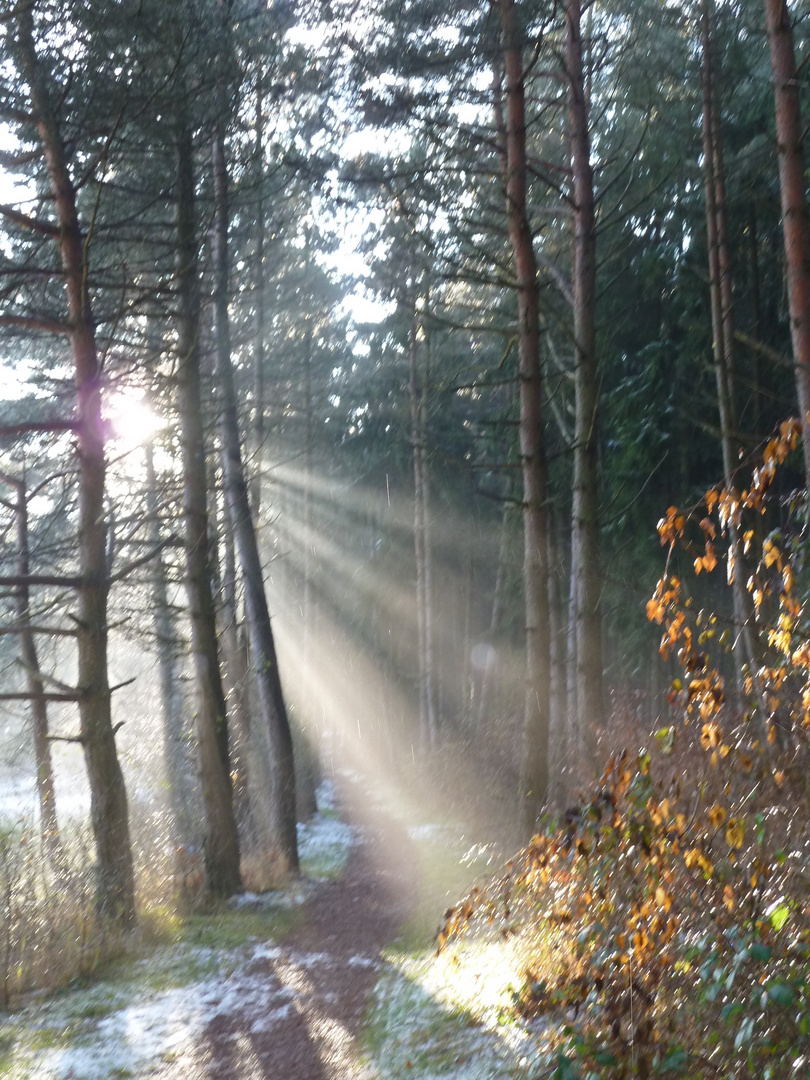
x=45 y=228
x=42 y=425
x=170 y=541
x=61 y=687
x=42 y=697
x=57 y=580
x=29 y=322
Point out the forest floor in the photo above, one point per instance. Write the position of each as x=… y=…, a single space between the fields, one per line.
x=347 y=989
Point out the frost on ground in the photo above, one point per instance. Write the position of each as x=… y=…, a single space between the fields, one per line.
x=446 y=1016
x=127 y=1028
x=430 y=1017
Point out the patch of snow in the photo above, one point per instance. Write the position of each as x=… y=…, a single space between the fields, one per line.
x=422 y=1036
x=265 y=1023
x=293 y=896
x=363 y=961
x=131 y=1038
x=321 y=833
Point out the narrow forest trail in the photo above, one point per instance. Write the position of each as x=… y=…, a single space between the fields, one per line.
x=296 y=1011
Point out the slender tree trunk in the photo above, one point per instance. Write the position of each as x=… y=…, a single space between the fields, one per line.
x=259 y=329
x=750 y=650
x=756 y=322
x=115 y=885
x=306 y=745
x=246 y=775
x=221 y=838
x=534 y=773
x=585 y=527
x=789 y=137
x=427 y=713
x=274 y=725
x=496 y=614
x=168 y=675
x=49 y=828
x=434 y=703
x=558 y=707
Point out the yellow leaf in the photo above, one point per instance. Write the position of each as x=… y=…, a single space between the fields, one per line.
x=735 y=833
x=728 y=897
x=691 y=858
x=663 y=898
x=770 y=553
x=771 y=734
x=705 y=865
x=717 y=815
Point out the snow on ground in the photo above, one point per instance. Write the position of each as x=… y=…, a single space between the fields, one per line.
x=118 y=1028
x=430 y=1018
x=447 y=1016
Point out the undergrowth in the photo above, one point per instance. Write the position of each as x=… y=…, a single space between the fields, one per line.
x=51 y=936
x=676 y=893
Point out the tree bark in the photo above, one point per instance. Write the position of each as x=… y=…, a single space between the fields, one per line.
x=46 y=794
x=534 y=772
x=259 y=329
x=749 y=650
x=115 y=882
x=585 y=525
x=273 y=723
x=789 y=136
x=221 y=840
x=427 y=697
x=168 y=676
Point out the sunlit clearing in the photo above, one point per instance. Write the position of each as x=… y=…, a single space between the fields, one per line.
x=132 y=422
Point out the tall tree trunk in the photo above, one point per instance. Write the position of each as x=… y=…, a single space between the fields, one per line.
x=115 y=884
x=534 y=771
x=756 y=322
x=495 y=617
x=246 y=774
x=558 y=700
x=427 y=707
x=750 y=650
x=585 y=526
x=46 y=794
x=273 y=722
x=789 y=137
x=221 y=838
x=168 y=675
x=305 y=741
x=259 y=329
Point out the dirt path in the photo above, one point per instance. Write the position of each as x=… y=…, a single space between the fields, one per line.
x=296 y=1012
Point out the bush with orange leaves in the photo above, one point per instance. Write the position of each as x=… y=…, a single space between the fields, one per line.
x=679 y=897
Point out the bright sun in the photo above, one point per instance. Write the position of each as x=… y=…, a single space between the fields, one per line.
x=132 y=422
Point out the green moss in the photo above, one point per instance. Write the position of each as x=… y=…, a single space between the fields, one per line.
x=227 y=929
